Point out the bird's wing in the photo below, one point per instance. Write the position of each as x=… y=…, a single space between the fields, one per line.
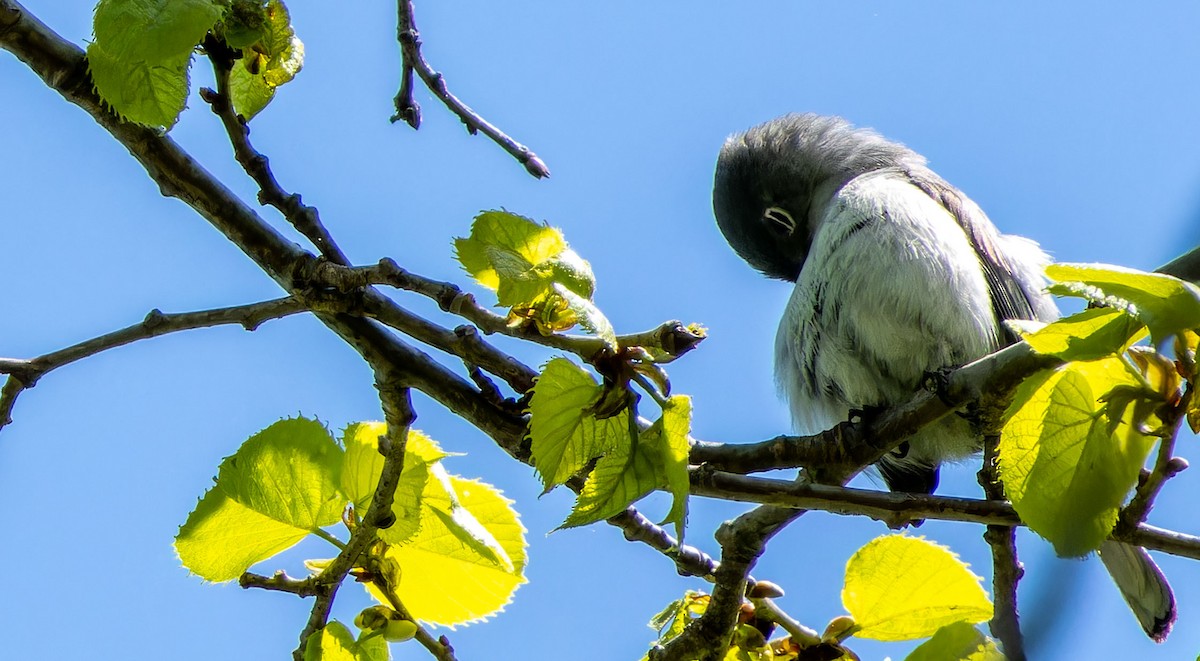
x=1012 y=268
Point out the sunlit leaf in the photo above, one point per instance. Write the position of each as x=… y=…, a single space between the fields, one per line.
x=1167 y=305
x=448 y=582
x=1065 y=468
x=899 y=588
x=565 y=435
x=1088 y=335
x=363 y=465
x=141 y=53
x=523 y=261
x=334 y=642
x=266 y=64
x=147 y=93
x=279 y=486
x=957 y=642
x=223 y=538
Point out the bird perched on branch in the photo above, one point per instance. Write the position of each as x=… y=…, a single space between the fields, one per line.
x=897 y=274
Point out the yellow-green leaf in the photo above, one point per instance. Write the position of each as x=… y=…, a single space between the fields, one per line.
x=448 y=582
x=223 y=538
x=673 y=450
x=899 y=588
x=279 y=486
x=147 y=93
x=289 y=472
x=153 y=30
x=1088 y=335
x=363 y=465
x=1166 y=304
x=141 y=53
x=588 y=315
x=507 y=235
x=523 y=261
x=1066 y=473
x=334 y=642
x=268 y=63
x=957 y=642
x=565 y=435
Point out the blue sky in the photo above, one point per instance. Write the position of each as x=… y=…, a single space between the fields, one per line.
x=1071 y=123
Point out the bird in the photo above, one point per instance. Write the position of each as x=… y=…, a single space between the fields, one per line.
x=897 y=275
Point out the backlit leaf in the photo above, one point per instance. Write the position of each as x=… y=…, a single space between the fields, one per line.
x=448 y=582
x=899 y=588
x=565 y=435
x=1167 y=305
x=1066 y=469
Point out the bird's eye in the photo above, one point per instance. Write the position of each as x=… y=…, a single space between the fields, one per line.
x=779 y=221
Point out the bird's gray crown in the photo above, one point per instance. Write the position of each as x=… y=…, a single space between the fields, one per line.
x=787 y=169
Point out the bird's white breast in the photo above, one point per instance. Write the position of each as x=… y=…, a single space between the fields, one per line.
x=891 y=290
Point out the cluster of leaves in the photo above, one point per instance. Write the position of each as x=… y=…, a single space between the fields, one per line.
x=896 y=588
x=142 y=53
x=577 y=422
x=1077 y=437
x=454 y=554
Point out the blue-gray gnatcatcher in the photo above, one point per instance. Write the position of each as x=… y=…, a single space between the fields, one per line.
x=897 y=274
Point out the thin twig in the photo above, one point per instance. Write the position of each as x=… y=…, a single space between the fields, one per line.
x=1006 y=568
x=407 y=110
x=897 y=509
x=303 y=217
x=1166 y=466
x=24 y=374
x=672 y=337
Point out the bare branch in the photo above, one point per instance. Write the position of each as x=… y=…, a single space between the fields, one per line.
x=847 y=448
x=410 y=112
x=898 y=509
x=303 y=217
x=24 y=374
x=1006 y=568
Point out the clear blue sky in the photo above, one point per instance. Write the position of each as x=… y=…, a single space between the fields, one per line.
x=1071 y=123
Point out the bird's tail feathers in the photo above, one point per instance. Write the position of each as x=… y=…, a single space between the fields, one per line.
x=1143 y=586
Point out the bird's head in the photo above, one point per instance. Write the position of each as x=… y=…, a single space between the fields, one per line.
x=773 y=183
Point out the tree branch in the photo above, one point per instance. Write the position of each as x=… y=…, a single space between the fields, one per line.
x=410 y=112
x=850 y=446
x=303 y=217
x=24 y=374
x=1006 y=568
x=898 y=509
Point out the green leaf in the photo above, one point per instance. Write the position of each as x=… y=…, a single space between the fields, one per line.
x=266 y=64
x=565 y=435
x=142 y=51
x=900 y=588
x=671 y=621
x=508 y=236
x=289 y=472
x=1066 y=469
x=448 y=582
x=673 y=450
x=1167 y=305
x=957 y=642
x=147 y=93
x=443 y=501
x=279 y=486
x=589 y=316
x=153 y=30
x=223 y=538
x=658 y=460
x=1088 y=335
x=363 y=465
x=523 y=261
x=334 y=642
